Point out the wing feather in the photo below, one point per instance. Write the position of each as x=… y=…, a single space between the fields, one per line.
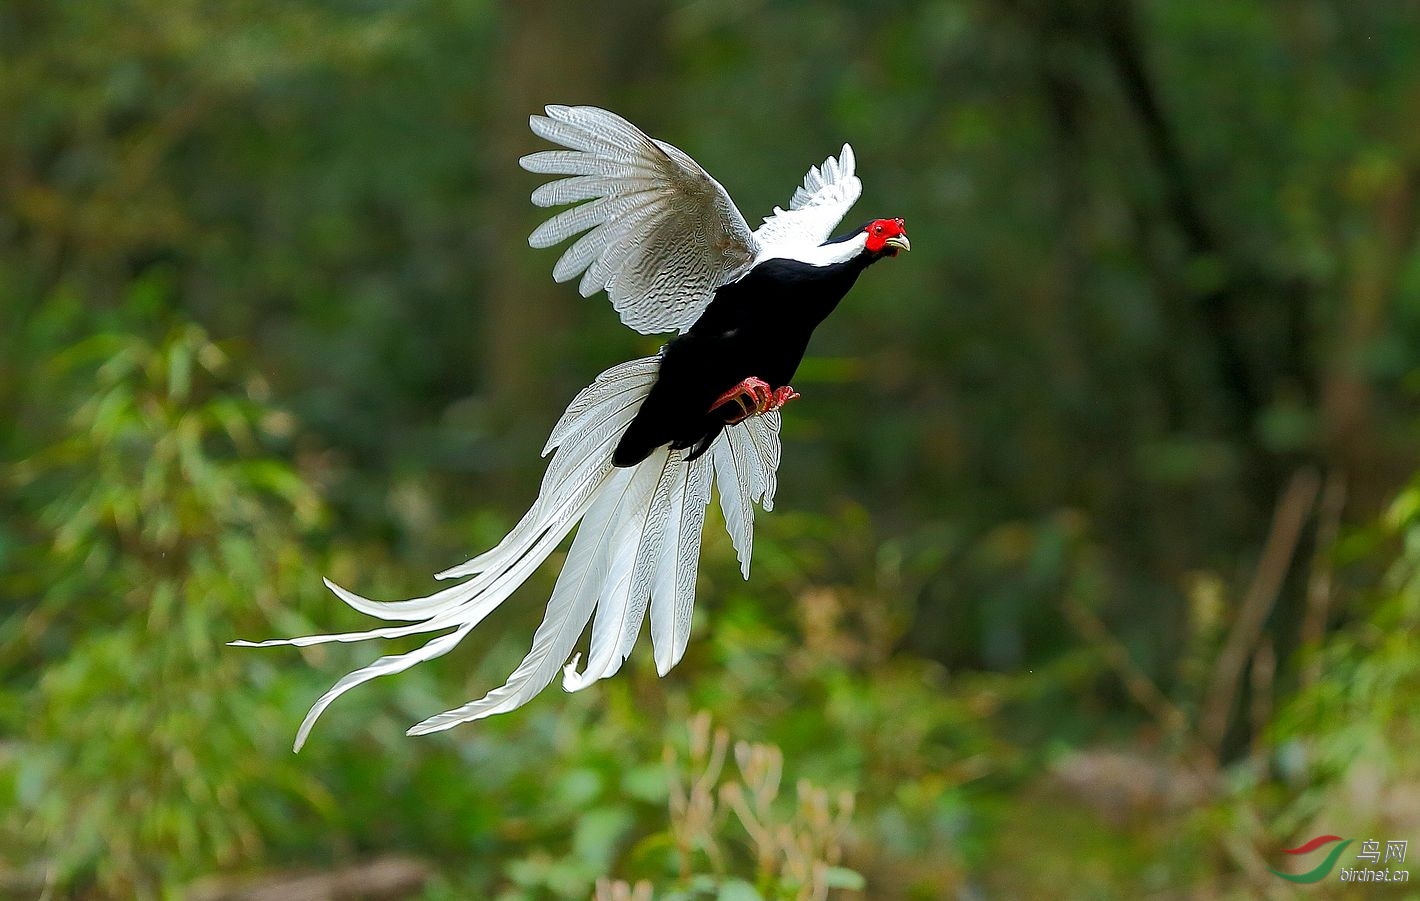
x=572 y=162
x=828 y=192
x=663 y=233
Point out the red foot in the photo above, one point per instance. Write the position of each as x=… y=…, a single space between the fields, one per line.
x=754 y=396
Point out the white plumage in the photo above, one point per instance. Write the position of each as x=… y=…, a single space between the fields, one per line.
x=637 y=547
x=662 y=234
x=659 y=235
x=815 y=209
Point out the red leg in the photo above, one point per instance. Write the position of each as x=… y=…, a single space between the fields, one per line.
x=753 y=396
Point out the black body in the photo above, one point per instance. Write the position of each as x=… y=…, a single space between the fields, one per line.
x=758 y=326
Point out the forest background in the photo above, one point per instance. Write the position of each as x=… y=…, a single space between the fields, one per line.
x=1096 y=564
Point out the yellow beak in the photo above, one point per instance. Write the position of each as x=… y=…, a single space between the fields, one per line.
x=898 y=241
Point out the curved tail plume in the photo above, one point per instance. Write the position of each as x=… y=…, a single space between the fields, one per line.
x=637 y=549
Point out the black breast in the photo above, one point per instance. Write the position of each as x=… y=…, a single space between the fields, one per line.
x=758 y=326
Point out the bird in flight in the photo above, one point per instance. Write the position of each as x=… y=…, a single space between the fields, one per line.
x=636 y=453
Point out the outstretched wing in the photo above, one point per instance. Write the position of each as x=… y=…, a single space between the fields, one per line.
x=816 y=208
x=661 y=234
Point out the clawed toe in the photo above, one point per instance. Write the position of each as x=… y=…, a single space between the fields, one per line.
x=754 y=397
x=782 y=396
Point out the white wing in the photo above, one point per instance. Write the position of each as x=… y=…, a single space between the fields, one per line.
x=661 y=234
x=815 y=210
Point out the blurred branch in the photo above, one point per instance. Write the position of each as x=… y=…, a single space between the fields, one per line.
x=1140 y=687
x=1333 y=501
x=385 y=877
x=1287 y=522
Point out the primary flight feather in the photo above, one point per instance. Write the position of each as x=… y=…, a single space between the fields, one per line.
x=635 y=454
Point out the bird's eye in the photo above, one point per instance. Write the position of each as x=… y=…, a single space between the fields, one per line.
x=877 y=229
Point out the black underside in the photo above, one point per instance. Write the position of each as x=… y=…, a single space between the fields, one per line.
x=759 y=327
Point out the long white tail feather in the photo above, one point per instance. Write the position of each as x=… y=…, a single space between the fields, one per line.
x=303 y=641
x=621 y=547
x=663 y=584
x=385 y=666
x=630 y=376
x=574 y=597
x=594 y=419
x=567 y=485
x=637 y=547
x=762 y=434
x=675 y=610
x=473 y=600
x=658 y=542
x=732 y=478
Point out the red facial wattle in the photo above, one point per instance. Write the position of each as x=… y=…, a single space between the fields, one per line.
x=886 y=236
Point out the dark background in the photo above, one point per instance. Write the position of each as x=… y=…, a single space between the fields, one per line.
x=1094 y=568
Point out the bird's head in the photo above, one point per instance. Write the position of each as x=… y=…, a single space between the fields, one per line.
x=868 y=243
x=886 y=237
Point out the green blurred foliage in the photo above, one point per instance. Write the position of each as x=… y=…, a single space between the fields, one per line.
x=1095 y=568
